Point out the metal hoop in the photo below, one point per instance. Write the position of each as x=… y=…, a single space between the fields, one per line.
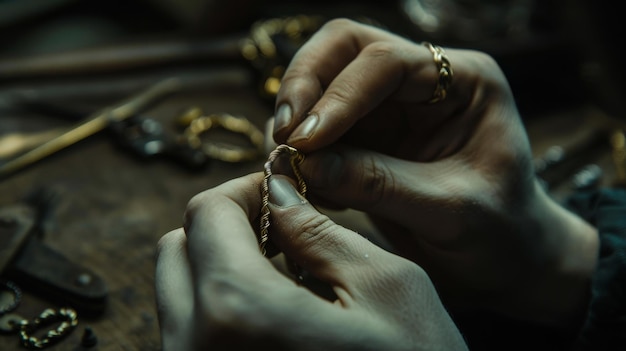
x=200 y=124
x=445 y=72
x=17 y=296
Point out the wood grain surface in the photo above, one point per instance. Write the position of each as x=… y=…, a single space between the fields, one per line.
x=112 y=210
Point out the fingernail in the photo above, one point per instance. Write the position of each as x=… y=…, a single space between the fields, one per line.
x=283 y=194
x=306 y=129
x=283 y=117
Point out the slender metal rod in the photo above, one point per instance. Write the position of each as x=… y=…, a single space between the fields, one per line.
x=92 y=125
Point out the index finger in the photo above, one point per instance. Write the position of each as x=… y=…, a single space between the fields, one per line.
x=344 y=71
x=347 y=70
x=220 y=235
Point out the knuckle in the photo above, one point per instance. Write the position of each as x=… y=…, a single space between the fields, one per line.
x=345 y=94
x=195 y=204
x=317 y=232
x=488 y=68
x=340 y=24
x=378 y=180
x=514 y=178
x=300 y=82
x=409 y=271
x=485 y=59
x=168 y=240
x=233 y=305
x=405 y=273
x=199 y=203
x=380 y=49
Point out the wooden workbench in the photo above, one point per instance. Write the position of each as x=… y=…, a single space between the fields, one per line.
x=112 y=210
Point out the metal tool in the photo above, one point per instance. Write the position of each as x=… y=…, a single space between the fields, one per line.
x=13 y=144
x=121 y=57
x=558 y=164
x=93 y=124
x=26 y=260
x=589 y=177
x=147 y=138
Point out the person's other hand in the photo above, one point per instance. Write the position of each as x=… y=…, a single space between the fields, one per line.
x=216 y=291
x=450 y=183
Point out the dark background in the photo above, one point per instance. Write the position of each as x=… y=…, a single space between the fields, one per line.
x=554 y=52
x=563 y=60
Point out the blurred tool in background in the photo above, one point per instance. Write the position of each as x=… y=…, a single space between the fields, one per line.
x=553 y=54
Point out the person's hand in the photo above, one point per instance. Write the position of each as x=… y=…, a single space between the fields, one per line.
x=450 y=183
x=216 y=291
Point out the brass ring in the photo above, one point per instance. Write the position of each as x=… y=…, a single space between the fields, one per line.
x=445 y=72
x=198 y=124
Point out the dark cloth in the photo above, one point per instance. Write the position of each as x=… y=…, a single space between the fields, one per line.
x=605 y=325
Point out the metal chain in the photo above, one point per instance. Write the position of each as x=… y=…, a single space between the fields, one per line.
x=67 y=317
x=295 y=159
x=17 y=296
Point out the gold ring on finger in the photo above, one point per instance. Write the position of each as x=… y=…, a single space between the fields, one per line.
x=445 y=72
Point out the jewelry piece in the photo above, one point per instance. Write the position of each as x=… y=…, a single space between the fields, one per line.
x=17 y=296
x=262 y=47
x=10 y=323
x=196 y=124
x=295 y=159
x=67 y=317
x=445 y=72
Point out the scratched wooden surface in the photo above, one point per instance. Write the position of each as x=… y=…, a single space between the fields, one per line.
x=114 y=208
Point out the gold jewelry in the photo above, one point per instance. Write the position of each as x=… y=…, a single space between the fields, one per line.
x=197 y=124
x=295 y=159
x=262 y=47
x=445 y=72
x=10 y=287
x=68 y=321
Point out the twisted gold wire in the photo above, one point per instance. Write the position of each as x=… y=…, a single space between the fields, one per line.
x=445 y=72
x=295 y=159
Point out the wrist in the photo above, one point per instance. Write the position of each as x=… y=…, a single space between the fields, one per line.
x=557 y=289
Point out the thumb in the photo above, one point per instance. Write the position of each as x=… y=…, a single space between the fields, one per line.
x=328 y=251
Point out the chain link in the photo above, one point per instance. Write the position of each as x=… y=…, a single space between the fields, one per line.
x=68 y=321
x=17 y=296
